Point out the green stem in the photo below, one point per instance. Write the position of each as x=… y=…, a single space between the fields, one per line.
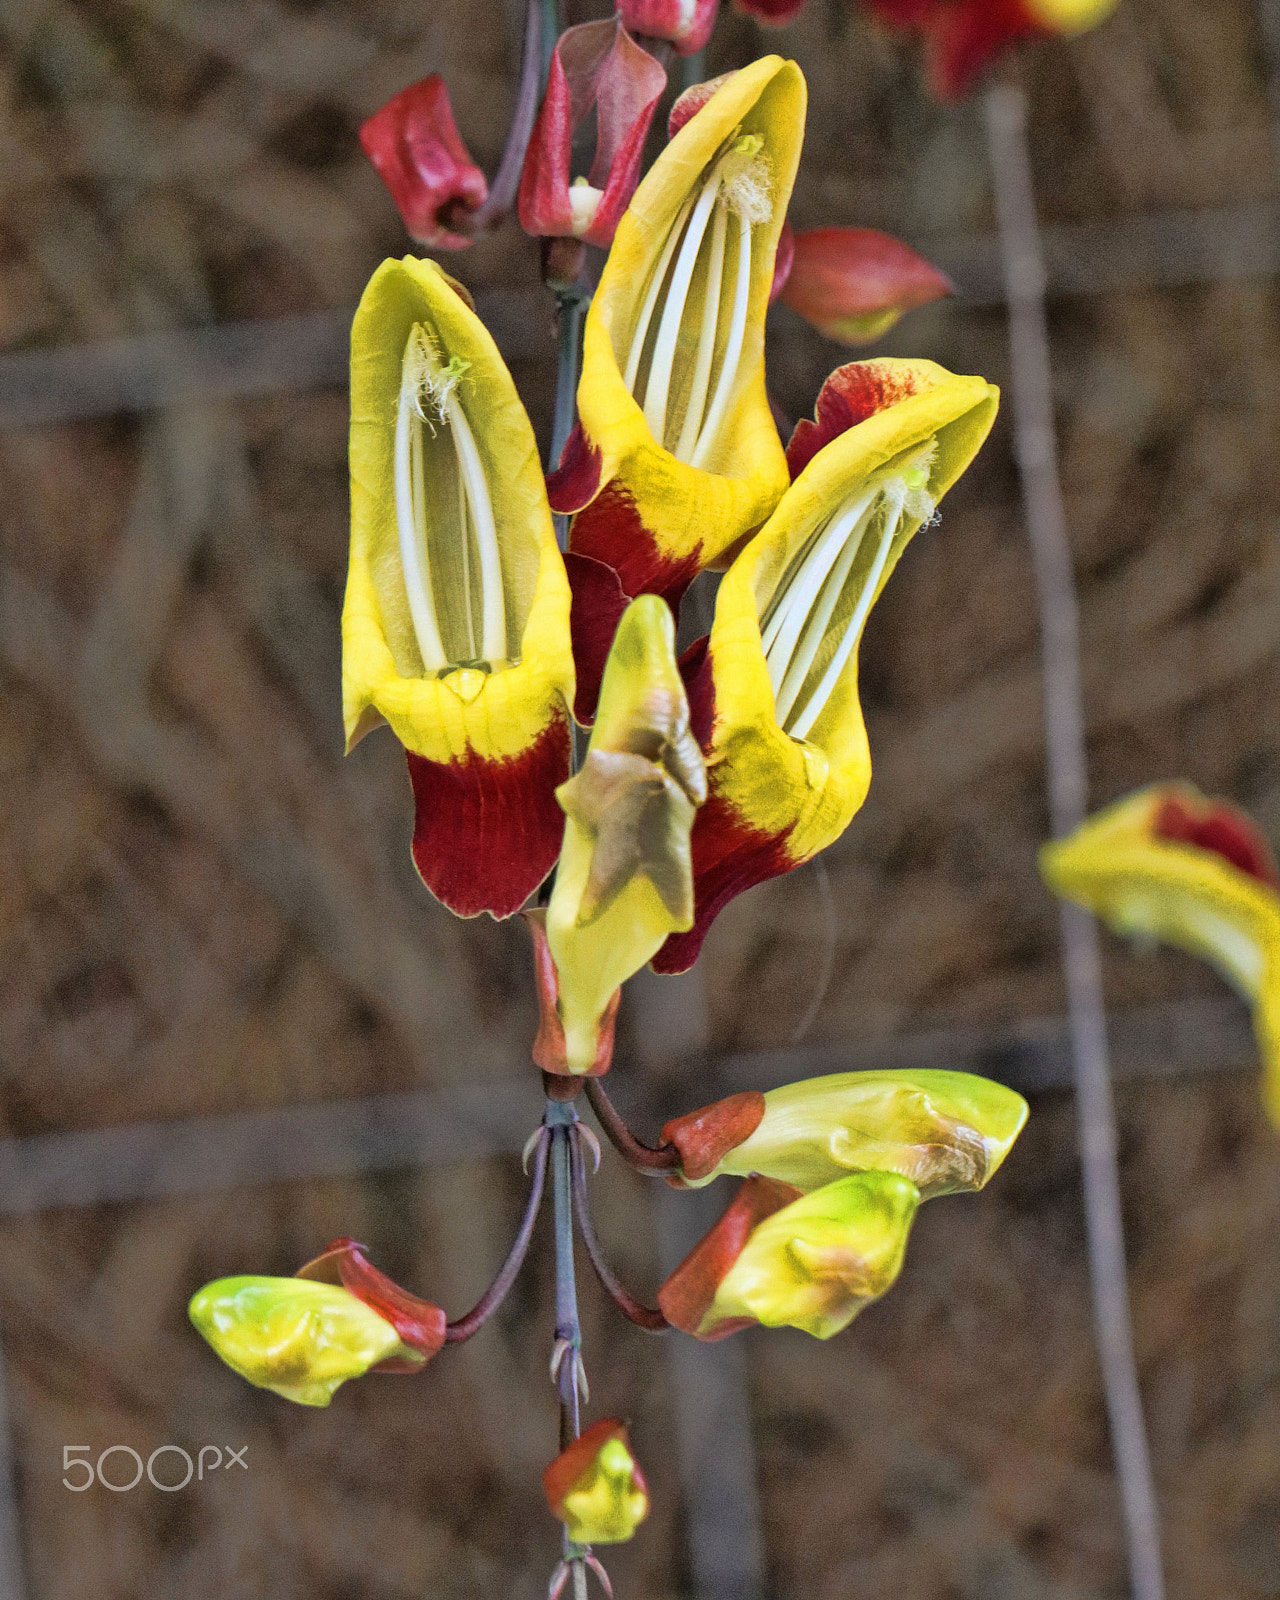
x=571 y=309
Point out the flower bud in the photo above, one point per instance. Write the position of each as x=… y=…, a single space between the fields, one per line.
x=812 y=1263
x=686 y=23
x=853 y=284
x=414 y=143
x=596 y=1488
x=301 y=1339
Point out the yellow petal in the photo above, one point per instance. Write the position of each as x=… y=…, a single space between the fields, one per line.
x=660 y=518
x=946 y=1131
x=497 y=711
x=624 y=881
x=1155 y=888
x=819 y=1261
x=300 y=1338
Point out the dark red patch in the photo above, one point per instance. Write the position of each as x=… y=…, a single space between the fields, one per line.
x=610 y=530
x=598 y=604
x=419 y=1324
x=548 y=1052
x=728 y=856
x=1222 y=829
x=700 y=690
x=575 y=481
x=487 y=831
x=576 y=1459
x=705 y=1137
x=691 y=1288
x=850 y=395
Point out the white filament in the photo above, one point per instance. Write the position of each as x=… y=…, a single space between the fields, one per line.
x=706 y=336
x=651 y=297
x=895 y=494
x=492 y=611
x=424 y=379
x=410 y=513
x=733 y=349
x=659 y=386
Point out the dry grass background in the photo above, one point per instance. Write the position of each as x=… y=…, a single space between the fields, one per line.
x=204 y=908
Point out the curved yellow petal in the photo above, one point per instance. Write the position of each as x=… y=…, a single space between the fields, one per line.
x=776 y=799
x=1122 y=866
x=656 y=517
x=300 y=1338
x=1069 y=16
x=486 y=729
x=625 y=881
x=946 y=1131
x=820 y=1260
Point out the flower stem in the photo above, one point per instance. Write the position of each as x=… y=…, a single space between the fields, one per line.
x=647 y=1317
x=533 y=74
x=496 y=1293
x=571 y=309
x=643 y=1157
x=560 y=1118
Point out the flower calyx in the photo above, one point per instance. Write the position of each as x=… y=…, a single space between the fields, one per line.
x=596 y=1488
x=854 y=284
x=414 y=144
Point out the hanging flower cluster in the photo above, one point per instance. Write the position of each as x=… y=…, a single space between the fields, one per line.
x=481 y=639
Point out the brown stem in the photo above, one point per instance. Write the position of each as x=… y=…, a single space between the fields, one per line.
x=496 y=1293
x=649 y=1318
x=506 y=181
x=643 y=1157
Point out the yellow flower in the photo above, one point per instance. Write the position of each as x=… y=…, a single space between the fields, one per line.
x=946 y=1131
x=774 y=689
x=624 y=880
x=300 y=1338
x=596 y=1488
x=455 y=628
x=800 y=1261
x=676 y=454
x=1166 y=863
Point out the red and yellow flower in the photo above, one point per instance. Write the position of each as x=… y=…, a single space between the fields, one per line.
x=1166 y=863
x=455 y=627
x=595 y=1486
x=773 y=690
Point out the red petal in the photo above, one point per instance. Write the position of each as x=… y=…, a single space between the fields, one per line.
x=691 y=1288
x=595 y=65
x=671 y=19
x=610 y=530
x=728 y=856
x=548 y=1046
x=575 y=482
x=692 y=101
x=598 y=604
x=487 y=831
x=700 y=690
x=705 y=1137
x=414 y=143
x=840 y=273
x=964 y=39
x=850 y=395
x=419 y=1324
x=773 y=13
x=1221 y=828
x=783 y=261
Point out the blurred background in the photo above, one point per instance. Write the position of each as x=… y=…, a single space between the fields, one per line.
x=233 y=1024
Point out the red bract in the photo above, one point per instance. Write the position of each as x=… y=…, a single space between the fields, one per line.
x=420 y=1324
x=596 y=64
x=414 y=143
x=773 y=13
x=854 y=283
x=687 y=23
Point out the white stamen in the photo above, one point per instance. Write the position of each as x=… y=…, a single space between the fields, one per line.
x=816 y=628
x=706 y=337
x=732 y=350
x=664 y=350
x=894 y=495
x=791 y=606
x=651 y=297
x=464 y=535
x=410 y=516
x=493 y=613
